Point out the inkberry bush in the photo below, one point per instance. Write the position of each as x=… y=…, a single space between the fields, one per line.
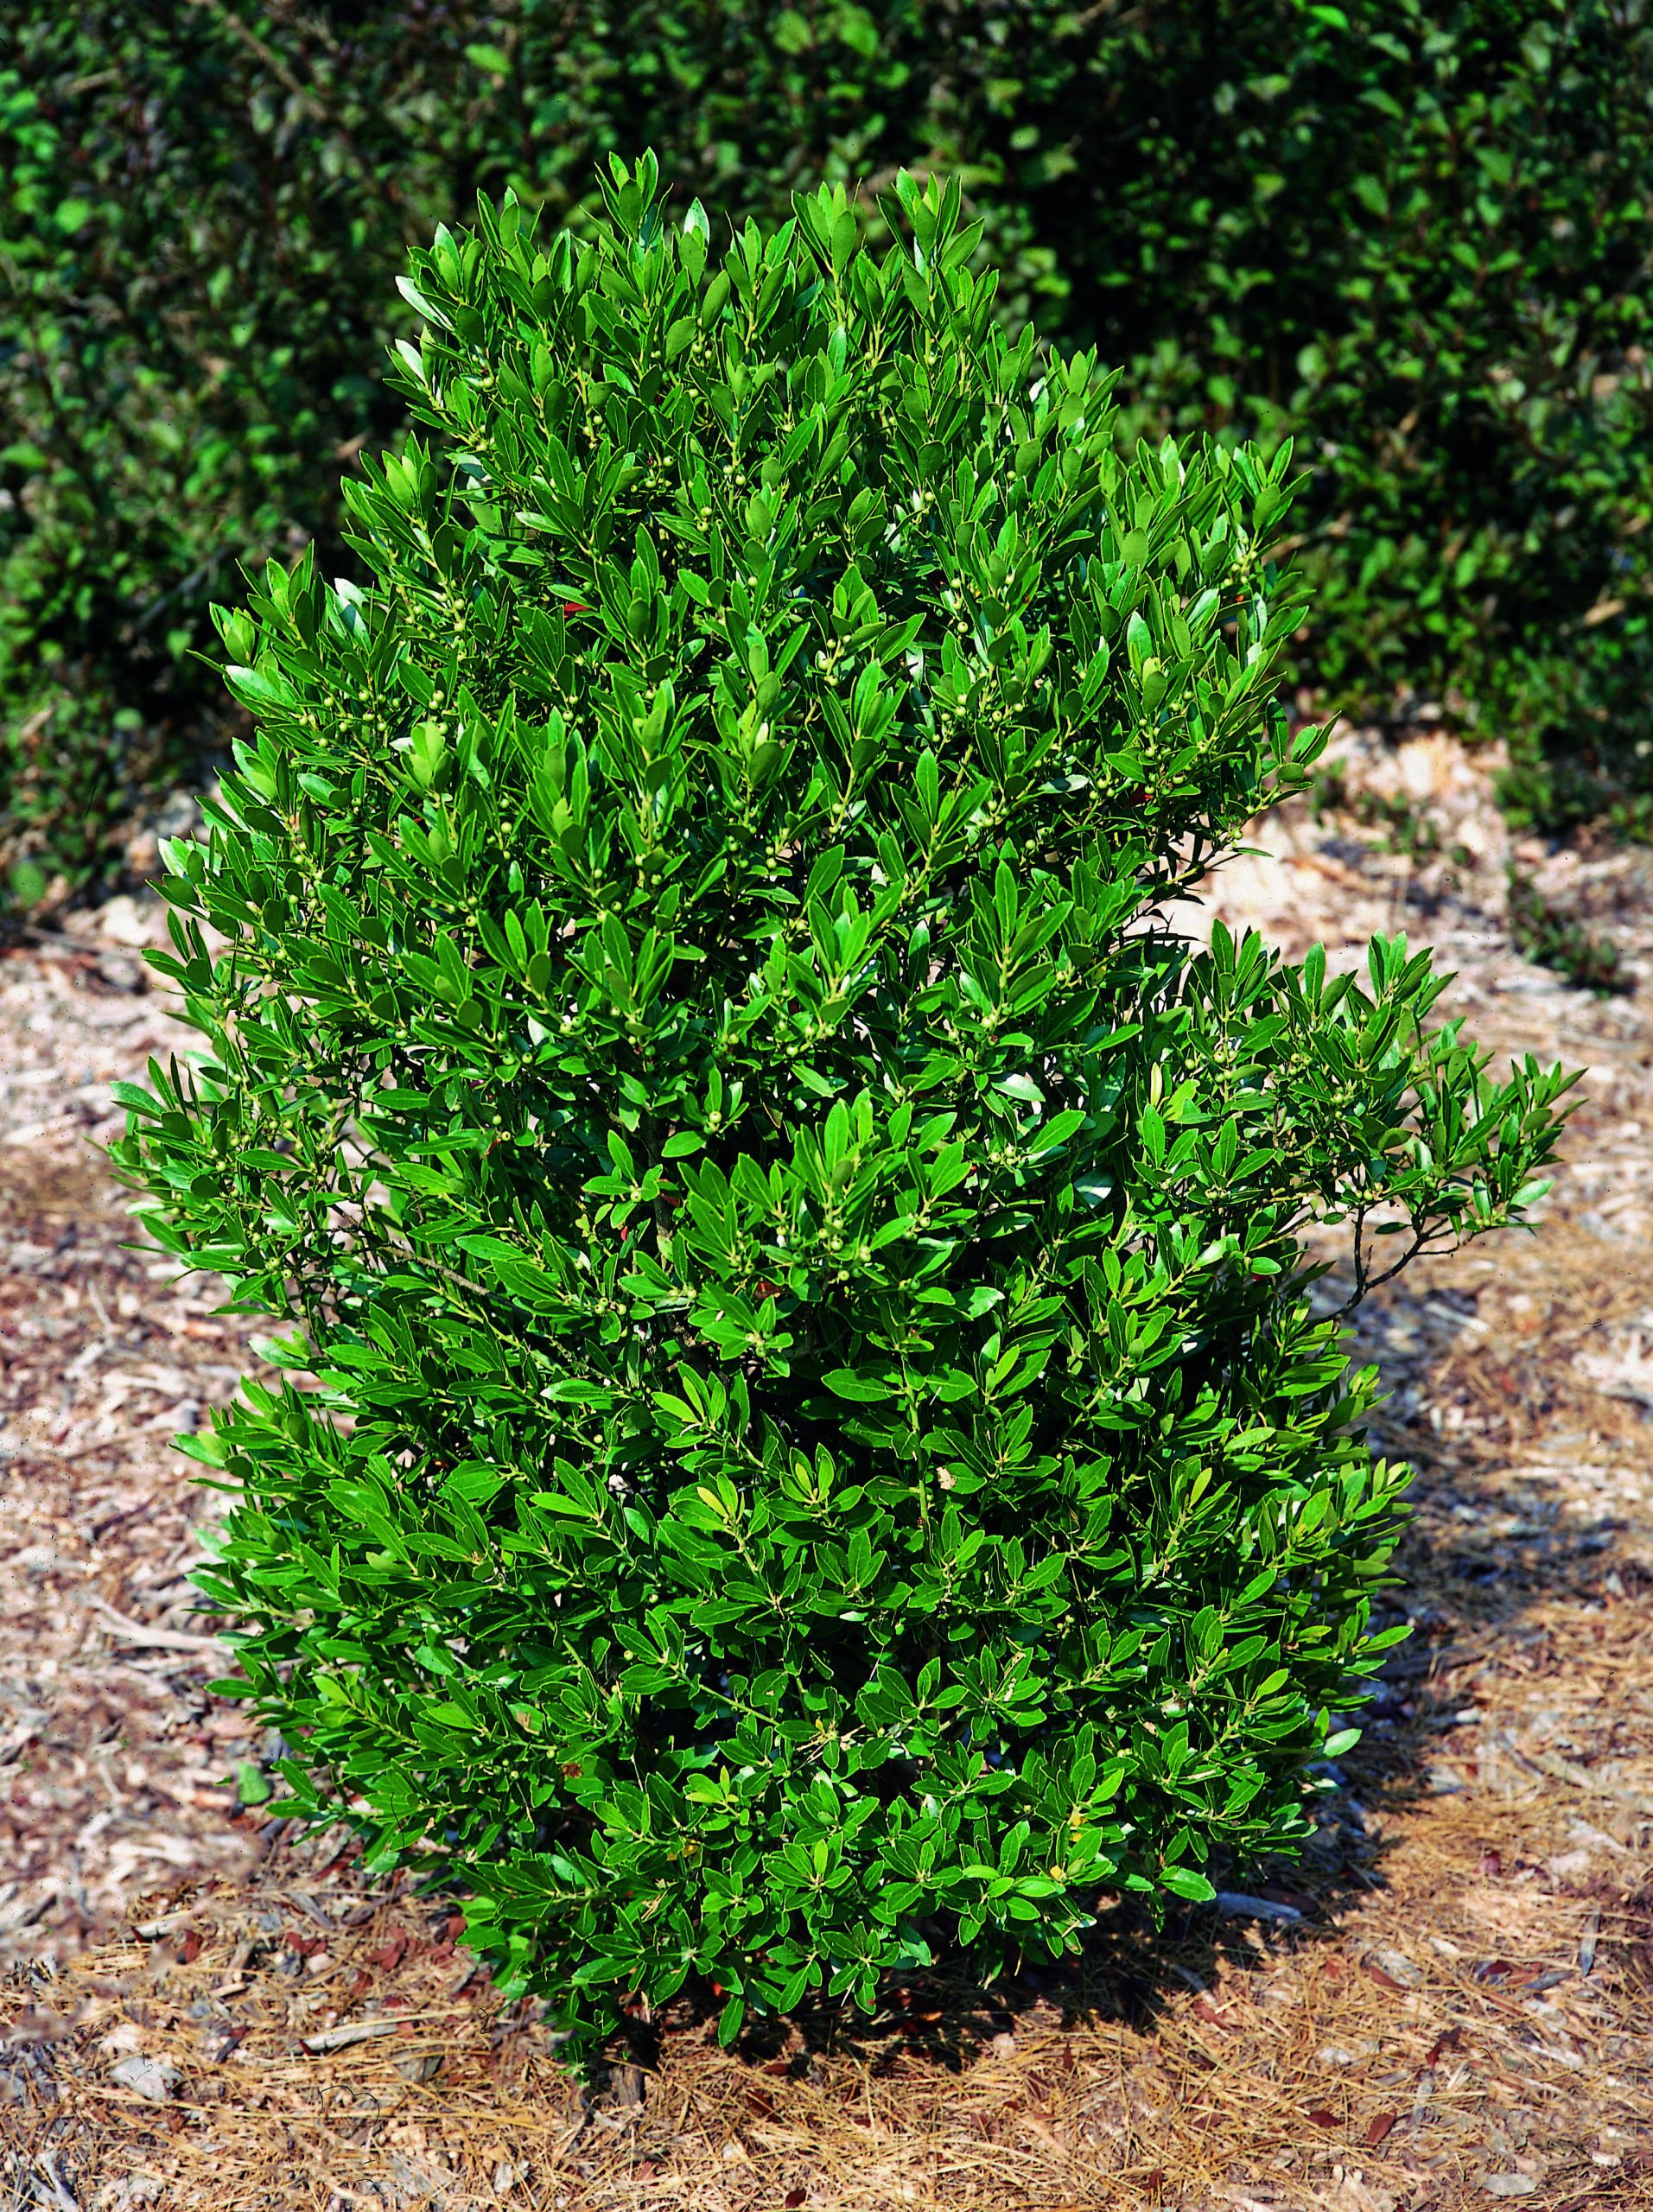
x=808 y=1440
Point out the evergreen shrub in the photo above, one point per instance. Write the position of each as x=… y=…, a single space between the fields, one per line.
x=816 y=1444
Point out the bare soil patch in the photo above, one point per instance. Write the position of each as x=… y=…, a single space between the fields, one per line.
x=1447 y=2003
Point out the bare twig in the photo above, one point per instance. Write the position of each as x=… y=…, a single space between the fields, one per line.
x=160 y=1639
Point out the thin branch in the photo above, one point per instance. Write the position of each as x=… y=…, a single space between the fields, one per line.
x=162 y=1639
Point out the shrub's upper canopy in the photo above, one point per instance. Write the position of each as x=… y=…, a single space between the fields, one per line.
x=839 y=1449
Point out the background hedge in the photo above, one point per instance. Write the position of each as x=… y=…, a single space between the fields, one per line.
x=1415 y=235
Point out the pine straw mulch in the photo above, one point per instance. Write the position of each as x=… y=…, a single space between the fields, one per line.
x=1447 y=2002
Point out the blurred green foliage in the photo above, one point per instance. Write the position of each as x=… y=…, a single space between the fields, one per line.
x=1414 y=235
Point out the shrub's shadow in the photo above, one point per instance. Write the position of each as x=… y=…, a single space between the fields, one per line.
x=1125 y=1971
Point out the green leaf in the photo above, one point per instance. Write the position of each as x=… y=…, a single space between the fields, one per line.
x=27 y=883
x=1186 y=1882
x=1020 y=1086
x=253 y=1786
x=852 y=1382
